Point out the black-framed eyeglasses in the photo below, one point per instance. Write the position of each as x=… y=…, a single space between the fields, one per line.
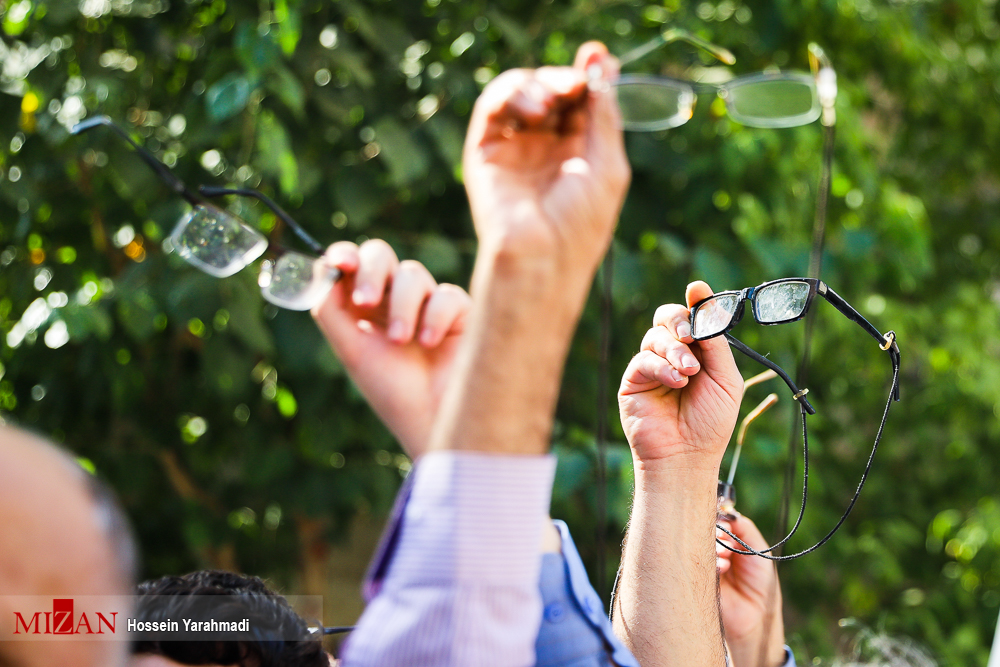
x=221 y=244
x=779 y=302
x=778 y=99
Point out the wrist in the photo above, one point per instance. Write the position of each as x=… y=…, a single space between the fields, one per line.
x=689 y=496
x=541 y=262
x=682 y=461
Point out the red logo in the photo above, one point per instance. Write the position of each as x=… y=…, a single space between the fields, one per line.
x=62 y=617
x=62 y=621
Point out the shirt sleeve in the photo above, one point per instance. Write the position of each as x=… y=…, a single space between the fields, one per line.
x=461 y=586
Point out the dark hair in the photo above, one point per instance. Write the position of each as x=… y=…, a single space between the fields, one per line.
x=274 y=622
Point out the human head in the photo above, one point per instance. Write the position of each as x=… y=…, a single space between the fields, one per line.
x=64 y=535
x=273 y=620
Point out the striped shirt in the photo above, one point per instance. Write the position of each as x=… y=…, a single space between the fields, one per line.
x=460 y=585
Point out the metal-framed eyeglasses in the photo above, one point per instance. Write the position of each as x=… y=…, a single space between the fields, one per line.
x=766 y=99
x=221 y=244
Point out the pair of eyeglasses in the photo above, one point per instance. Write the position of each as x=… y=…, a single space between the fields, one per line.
x=766 y=99
x=221 y=244
x=780 y=302
x=774 y=302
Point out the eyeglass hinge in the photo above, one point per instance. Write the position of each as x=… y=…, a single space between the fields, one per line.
x=890 y=340
x=800 y=394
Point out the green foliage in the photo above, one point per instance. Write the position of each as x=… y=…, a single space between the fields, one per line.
x=228 y=427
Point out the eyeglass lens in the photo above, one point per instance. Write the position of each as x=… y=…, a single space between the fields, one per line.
x=765 y=103
x=714 y=315
x=648 y=104
x=781 y=302
x=296 y=281
x=217 y=243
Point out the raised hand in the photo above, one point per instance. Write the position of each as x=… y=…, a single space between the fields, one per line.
x=678 y=397
x=750 y=600
x=396 y=331
x=544 y=161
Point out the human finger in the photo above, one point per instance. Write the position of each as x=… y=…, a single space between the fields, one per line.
x=677 y=319
x=342 y=255
x=665 y=344
x=714 y=347
x=444 y=314
x=647 y=370
x=716 y=357
x=378 y=262
x=412 y=284
x=605 y=139
x=745 y=529
x=526 y=99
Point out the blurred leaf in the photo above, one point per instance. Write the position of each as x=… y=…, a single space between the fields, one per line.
x=85 y=321
x=358 y=196
x=274 y=152
x=288 y=88
x=246 y=317
x=406 y=159
x=448 y=137
x=227 y=97
x=289 y=25
x=439 y=255
x=258 y=53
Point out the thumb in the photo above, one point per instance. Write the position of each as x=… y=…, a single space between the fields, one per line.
x=717 y=357
x=606 y=142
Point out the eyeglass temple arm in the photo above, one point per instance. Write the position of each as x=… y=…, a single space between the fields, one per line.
x=797 y=394
x=886 y=342
x=161 y=169
x=314 y=245
x=675 y=35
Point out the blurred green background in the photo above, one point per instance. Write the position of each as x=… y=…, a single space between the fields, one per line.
x=230 y=430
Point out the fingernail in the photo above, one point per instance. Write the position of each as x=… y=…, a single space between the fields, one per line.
x=689 y=361
x=675 y=375
x=426 y=336
x=684 y=330
x=397 y=330
x=596 y=78
x=360 y=296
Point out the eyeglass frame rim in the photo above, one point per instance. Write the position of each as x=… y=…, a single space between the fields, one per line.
x=816 y=286
x=276 y=250
x=692 y=88
x=887 y=341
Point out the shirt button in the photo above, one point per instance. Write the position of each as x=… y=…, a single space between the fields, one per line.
x=554 y=612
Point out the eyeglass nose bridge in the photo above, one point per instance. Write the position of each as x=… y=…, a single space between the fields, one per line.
x=740 y=305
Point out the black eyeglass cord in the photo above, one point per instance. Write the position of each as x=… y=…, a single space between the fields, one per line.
x=857 y=493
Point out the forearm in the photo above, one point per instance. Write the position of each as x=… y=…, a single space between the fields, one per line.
x=508 y=370
x=666 y=608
